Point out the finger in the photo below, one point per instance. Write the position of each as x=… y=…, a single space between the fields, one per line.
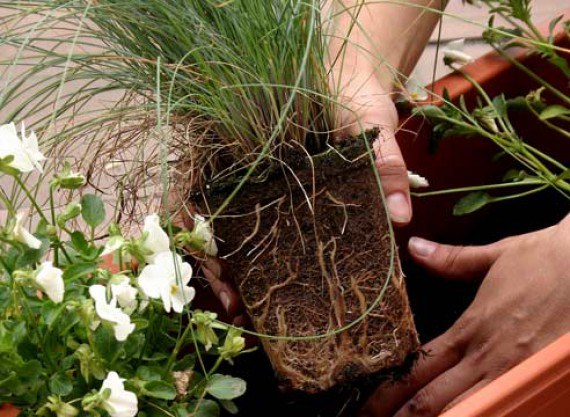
x=462 y=262
x=466 y=394
x=394 y=177
x=389 y=397
x=222 y=288
x=433 y=398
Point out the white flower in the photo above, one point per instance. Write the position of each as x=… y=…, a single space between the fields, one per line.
x=203 y=233
x=453 y=53
x=121 y=403
x=417 y=181
x=125 y=294
x=156 y=239
x=109 y=311
x=25 y=151
x=22 y=235
x=113 y=244
x=414 y=89
x=159 y=280
x=50 y=280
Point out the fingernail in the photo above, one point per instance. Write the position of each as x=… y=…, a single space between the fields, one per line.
x=421 y=247
x=398 y=207
x=225 y=299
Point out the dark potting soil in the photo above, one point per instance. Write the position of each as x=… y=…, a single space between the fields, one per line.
x=310 y=253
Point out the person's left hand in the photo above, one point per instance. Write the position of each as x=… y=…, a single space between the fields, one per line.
x=522 y=305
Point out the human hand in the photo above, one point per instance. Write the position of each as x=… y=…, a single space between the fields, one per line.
x=522 y=305
x=366 y=102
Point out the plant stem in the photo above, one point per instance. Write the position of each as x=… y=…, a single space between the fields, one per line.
x=177 y=347
x=30 y=197
x=478 y=188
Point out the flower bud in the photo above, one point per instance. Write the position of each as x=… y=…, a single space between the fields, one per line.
x=67 y=179
x=204 y=322
x=57 y=407
x=233 y=344
x=71 y=212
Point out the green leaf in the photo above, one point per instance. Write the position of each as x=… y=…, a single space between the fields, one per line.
x=79 y=242
x=225 y=387
x=554 y=111
x=187 y=362
x=471 y=202
x=135 y=345
x=93 y=210
x=149 y=373
x=32 y=256
x=105 y=342
x=51 y=311
x=553 y=23
x=431 y=112
x=159 y=389
x=79 y=270
x=11 y=335
x=180 y=410
x=205 y=408
x=60 y=384
x=229 y=406
x=6 y=168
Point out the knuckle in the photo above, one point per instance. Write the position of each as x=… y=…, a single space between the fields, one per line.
x=479 y=353
x=452 y=257
x=391 y=165
x=462 y=330
x=421 y=404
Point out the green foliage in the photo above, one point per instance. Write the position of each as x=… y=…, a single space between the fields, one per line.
x=56 y=350
x=224 y=387
x=490 y=118
x=471 y=202
x=93 y=210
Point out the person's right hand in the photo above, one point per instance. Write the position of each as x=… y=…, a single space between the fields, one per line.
x=522 y=306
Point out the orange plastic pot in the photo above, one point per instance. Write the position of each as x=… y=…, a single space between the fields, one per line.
x=537 y=387
x=8 y=410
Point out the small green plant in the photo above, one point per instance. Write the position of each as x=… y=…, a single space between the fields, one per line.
x=491 y=116
x=79 y=336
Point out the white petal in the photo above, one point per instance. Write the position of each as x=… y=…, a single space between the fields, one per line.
x=10 y=144
x=22 y=235
x=165 y=295
x=415 y=90
x=203 y=232
x=123 y=330
x=49 y=278
x=184 y=296
x=31 y=148
x=417 y=181
x=113 y=244
x=121 y=403
x=453 y=52
x=111 y=313
x=185 y=273
x=98 y=293
x=125 y=294
x=151 y=279
x=156 y=240
x=173 y=269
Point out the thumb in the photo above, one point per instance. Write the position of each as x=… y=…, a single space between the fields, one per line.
x=458 y=262
x=394 y=177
